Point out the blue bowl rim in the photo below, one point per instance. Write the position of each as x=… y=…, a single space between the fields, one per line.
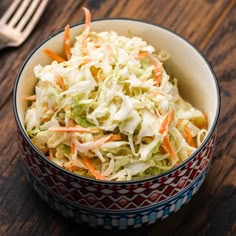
x=111 y=182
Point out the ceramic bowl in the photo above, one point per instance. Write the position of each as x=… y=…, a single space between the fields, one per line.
x=127 y=204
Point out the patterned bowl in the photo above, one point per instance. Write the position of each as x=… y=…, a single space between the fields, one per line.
x=133 y=203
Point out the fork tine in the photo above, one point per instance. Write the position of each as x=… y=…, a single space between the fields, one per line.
x=10 y=11
x=35 y=17
x=19 y=20
x=24 y=20
x=19 y=13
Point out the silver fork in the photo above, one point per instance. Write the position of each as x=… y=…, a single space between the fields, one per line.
x=19 y=20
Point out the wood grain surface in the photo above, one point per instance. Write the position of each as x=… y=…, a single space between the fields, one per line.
x=210 y=25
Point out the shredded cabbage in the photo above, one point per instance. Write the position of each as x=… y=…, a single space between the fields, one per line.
x=116 y=100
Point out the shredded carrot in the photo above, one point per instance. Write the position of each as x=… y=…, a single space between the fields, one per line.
x=72 y=129
x=91 y=168
x=158 y=73
x=167 y=121
x=167 y=147
x=206 y=119
x=98 y=45
x=67 y=42
x=142 y=55
x=87 y=20
x=158 y=79
x=188 y=135
x=163 y=149
x=61 y=82
x=73 y=148
x=30 y=98
x=114 y=137
x=179 y=123
x=87 y=24
x=73 y=168
x=73 y=152
x=46 y=119
x=181 y=126
x=53 y=55
x=204 y=123
x=94 y=71
x=85 y=61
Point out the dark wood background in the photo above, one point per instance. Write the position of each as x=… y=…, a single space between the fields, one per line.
x=211 y=26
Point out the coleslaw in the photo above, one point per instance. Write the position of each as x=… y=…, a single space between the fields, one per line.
x=110 y=111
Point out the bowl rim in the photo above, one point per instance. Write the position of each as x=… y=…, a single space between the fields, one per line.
x=124 y=182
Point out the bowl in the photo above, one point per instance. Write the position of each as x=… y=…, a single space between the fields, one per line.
x=123 y=204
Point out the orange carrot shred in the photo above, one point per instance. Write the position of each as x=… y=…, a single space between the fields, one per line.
x=73 y=150
x=72 y=129
x=85 y=61
x=87 y=21
x=46 y=119
x=166 y=145
x=142 y=55
x=67 y=42
x=114 y=137
x=188 y=135
x=158 y=74
x=53 y=55
x=61 y=82
x=167 y=121
x=73 y=168
x=87 y=25
x=179 y=123
x=91 y=168
x=204 y=123
x=158 y=80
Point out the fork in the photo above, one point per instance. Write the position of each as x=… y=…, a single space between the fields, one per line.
x=19 y=20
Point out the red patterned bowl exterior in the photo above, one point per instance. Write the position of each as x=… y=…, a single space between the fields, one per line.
x=115 y=204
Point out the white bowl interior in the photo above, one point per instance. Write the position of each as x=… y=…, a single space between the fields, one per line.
x=196 y=80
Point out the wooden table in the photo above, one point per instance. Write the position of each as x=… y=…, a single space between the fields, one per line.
x=211 y=26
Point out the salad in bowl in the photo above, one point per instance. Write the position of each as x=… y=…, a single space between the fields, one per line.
x=109 y=110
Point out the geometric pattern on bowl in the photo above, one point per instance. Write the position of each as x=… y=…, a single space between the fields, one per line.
x=114 y=195
x=118 y=219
